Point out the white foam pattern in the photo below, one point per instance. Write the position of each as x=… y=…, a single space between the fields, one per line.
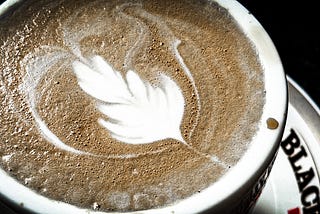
x=133 y=110
x=140 y=113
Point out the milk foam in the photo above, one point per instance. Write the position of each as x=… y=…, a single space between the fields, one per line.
x=140 y=113
x=124 y=103
x=35 y=70
x=37 y=65
x=173 y=42
x=144 y=113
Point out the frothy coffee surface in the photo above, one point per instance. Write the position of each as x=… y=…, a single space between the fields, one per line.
x=122 y=104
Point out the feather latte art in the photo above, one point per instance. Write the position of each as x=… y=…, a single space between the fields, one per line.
x=127 y=105
x=140 y=113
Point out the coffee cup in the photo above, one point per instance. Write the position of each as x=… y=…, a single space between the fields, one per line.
x=148 y=107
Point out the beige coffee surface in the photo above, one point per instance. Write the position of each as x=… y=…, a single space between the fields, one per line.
x=41 y=99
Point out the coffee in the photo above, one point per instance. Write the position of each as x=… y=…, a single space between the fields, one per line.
x=125 y=105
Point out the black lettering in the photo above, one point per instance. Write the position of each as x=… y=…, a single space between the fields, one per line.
x=312 y=210
x=290 y=143
x=296 y=157
x=304 y=178
x=310 y=200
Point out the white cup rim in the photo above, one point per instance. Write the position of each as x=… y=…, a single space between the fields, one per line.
x=238 y=177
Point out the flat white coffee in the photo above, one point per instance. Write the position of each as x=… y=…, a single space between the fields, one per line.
x=127 y=105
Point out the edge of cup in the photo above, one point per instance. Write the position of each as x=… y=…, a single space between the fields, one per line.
x=242 y=176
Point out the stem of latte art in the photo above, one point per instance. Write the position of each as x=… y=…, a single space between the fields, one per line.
x=129 y=106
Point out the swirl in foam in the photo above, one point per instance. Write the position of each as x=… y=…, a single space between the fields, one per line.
x=123 y=95
x=155 y=112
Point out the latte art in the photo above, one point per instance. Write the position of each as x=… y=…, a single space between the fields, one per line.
x=140 y=112
x=127 y=105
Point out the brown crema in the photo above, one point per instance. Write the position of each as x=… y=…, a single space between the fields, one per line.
x=224 y=98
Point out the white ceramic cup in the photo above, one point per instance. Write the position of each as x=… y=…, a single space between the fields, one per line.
x=235 y=192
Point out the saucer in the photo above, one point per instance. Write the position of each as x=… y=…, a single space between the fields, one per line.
x=293 y=186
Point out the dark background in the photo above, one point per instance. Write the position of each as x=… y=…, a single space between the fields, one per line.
x=294 y=28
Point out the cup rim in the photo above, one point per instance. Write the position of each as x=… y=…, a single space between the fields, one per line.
x=244 y=174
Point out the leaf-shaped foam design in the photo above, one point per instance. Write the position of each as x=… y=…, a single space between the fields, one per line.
x=137 y=112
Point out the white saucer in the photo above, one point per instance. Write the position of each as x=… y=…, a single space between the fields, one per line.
x=281 y=194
